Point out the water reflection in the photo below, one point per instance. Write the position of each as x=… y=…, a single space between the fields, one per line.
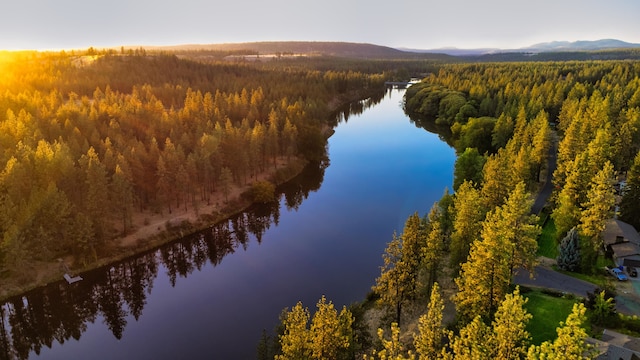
x=382 y=170
x=60 y=312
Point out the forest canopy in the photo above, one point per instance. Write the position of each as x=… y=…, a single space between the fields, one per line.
x=88 y=138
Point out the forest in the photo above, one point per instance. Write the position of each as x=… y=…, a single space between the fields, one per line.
x=505 y=120
x=91 y=139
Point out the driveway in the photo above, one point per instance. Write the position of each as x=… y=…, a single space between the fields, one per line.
x=547 y=188
x=627 y=300
x=547 y=278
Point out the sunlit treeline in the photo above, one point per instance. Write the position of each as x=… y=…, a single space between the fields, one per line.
x=87 y=140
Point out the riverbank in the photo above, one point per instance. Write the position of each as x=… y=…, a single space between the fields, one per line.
x=149 y=231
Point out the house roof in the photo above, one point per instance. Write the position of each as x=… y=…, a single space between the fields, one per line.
x=625 y=249
x=625 y=341
x=614 y=228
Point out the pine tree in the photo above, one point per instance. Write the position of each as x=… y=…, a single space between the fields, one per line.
x=398 y=280
x=226 y=181
x=599 y=206
x=428 y=342
x=569 y=251
x=294 y=341
x=392 y=349
x=508 y=242
x=542 y=142
x=471 y=343
x=432 y=248
x=510 y=337
x=330 y=333
x=469 y=213
x=630 y=203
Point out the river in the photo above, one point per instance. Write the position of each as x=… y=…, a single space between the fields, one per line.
x=210 y=295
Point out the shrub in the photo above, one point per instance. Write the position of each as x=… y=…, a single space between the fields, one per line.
x=263 y=192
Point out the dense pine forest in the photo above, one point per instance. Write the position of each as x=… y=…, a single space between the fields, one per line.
x=506 y=121
x=91 y=139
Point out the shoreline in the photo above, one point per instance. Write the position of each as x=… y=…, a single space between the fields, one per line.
x=152 y=230
x=163 y=230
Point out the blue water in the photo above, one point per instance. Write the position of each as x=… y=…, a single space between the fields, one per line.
x=382 y=169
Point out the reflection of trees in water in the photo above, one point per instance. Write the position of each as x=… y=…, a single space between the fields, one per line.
x=60 y=312
x=429 y=124
x=358 y=107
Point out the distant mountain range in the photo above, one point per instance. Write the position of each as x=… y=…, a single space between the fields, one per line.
x=550 y=51
x=326 y=48
x=553 y=46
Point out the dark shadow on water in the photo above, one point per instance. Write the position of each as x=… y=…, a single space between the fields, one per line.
x=60 y=312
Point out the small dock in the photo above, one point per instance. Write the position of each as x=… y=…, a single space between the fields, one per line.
x=70 y=279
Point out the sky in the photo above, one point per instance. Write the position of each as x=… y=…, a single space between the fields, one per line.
x=417 y=24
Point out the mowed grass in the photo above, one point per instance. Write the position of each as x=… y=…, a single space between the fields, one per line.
x=547 y=241
x=548 y=311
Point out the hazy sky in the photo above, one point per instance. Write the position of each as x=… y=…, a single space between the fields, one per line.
x=425 y=24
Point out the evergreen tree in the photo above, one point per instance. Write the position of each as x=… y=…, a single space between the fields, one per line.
x=510 y=337
x=508 y=242
x=468 y=167
x=630 y=203
x=330 y=333
x=398 y=279
x=599 y=206
x=294 y=341
x=432 y=249
x=469 y=213
x=471 y=343
x=392 y=348
x=428 y=342
x=226 y=181
x=569 y=251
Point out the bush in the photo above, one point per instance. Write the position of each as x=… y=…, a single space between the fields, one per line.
x=263 y=192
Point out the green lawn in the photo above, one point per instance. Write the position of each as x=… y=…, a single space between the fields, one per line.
x=548 y=311
x=547 y=241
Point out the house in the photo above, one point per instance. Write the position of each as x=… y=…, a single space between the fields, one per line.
x=616 y=346
x=622 y=241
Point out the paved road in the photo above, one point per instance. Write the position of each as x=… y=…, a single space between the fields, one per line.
x=627 y=300
x=547 y=278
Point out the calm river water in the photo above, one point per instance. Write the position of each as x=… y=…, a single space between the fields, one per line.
x=209 y=296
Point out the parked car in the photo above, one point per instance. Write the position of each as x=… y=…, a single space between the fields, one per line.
x=619 y=274
x=632 y=271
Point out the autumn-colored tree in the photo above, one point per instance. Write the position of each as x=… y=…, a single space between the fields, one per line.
x=432 y=248
x=294 y=342
x=472 y=341
x=508 y=242
x=428 y=341
x=331 y=333
x=510 y=337
x=469 y=213
x=392 y=348
x=599 y=206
